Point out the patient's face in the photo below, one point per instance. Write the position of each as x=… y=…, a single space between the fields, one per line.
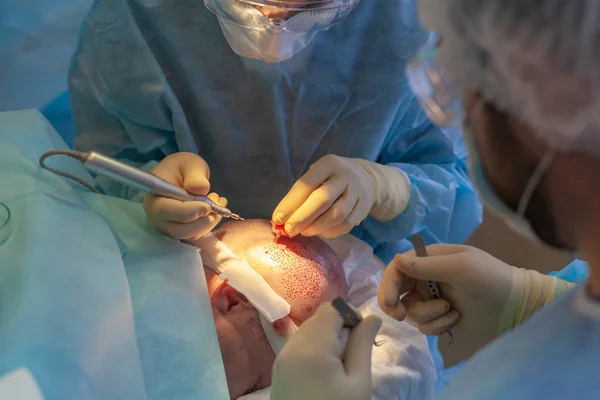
x=304 y=271
x=246 y=352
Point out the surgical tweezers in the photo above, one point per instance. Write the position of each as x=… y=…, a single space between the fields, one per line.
x=351 y=316
x=432 y=286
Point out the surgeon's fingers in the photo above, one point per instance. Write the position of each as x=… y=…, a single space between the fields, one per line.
x=196 y=175
x=299 y=193
x=222 y=201
x=422 y=312
x=337 y=213
x=316 y=204
x=358 y=214
x=393 y=284
x=442 y=268
x=186 y=170
x=162 y=208
x=192 y=230
x=440 y=325
x=360 y=346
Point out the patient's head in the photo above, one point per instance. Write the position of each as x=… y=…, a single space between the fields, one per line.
x=305 y=271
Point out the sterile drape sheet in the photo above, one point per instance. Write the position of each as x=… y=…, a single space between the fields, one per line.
x=94 y=302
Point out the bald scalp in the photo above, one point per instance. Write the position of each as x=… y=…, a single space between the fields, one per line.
x=239 y=236
x=305 y=271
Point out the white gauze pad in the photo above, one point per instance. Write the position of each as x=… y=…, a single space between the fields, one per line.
x=240 y=276
x=278 y=339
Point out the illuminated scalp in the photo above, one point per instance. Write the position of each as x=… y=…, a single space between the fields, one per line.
x=305 y=271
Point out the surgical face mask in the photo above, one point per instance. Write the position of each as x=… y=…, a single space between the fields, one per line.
x=515 y=220
x=265 y=45
x=251 y=34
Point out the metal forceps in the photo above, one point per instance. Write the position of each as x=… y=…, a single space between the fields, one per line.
x=351 y=316
x=432 y=286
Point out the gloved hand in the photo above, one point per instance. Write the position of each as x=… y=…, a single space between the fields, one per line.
x=316 y=365
x=189 y=219
x=483 y=296
x=338 y=193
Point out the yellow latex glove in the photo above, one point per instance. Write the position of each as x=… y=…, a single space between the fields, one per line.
x=179 y=219
x=530 y=292
x=483 y=296
x=338 y=193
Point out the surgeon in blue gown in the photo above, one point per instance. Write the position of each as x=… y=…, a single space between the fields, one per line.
x=526 y=73
x=152 y=78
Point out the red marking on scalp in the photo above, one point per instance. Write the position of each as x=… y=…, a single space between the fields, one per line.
x=305 y=271
x=302 y=272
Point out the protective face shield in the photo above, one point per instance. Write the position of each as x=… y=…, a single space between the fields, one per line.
x=434 y=88
x=440 y=97
x=275 y=30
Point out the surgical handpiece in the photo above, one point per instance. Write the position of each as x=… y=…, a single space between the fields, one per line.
x=432 y=286
x=134 y=178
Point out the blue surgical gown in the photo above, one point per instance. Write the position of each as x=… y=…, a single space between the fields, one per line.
x=153 y=77
x=554 y=355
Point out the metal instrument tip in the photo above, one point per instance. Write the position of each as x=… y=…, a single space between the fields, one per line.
x=450 y=341
x=236 y=217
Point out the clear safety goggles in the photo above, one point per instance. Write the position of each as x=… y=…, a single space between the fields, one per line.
x=285 y=15
x=434 y=88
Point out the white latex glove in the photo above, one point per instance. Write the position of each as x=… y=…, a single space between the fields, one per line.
x=314 y=364
x=338 y=193
x=483 y=296
x=183 y=219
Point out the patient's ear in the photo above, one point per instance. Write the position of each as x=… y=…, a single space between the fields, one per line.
x=230 y=300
